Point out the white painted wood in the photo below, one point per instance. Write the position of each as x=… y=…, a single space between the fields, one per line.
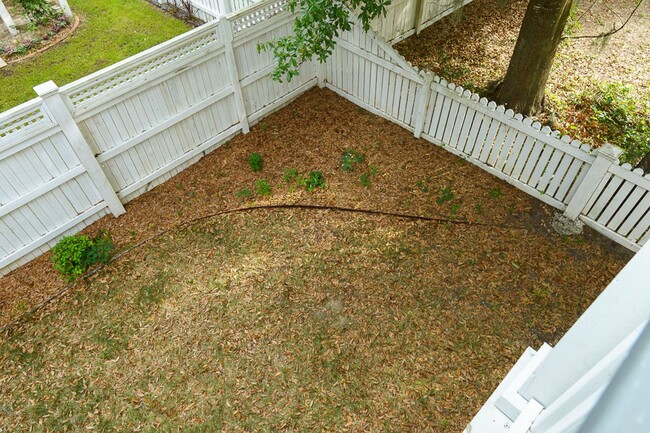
x=606 y=156
x=7 y=20
x=621 y=308
x=65 y=7
x=226 y=32
x=56 y=107
x=562 y=413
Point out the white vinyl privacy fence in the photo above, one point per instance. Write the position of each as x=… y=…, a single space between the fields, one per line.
x=76 y=153
x=407 y=17
x=209 y=10
x=79 y=152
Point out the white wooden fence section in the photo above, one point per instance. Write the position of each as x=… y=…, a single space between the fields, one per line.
x=209 y=10
x=407 y=17
x=564 y=173
x=73 y=154
x=76 y=153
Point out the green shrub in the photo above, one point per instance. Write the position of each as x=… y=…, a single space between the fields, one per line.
x=263 y=187
x=365 y=180
x=350 y=158
x=313 y=181
x=244 y=193
x=255 y=161
x=613 y=114
x=73 y=255
x=445 y=196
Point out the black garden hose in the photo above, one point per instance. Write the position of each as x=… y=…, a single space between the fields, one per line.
x=183 y=225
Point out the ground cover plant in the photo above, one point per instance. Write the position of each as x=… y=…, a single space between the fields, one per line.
x=38 y=23
x=110 y=31
x=598 y=88
x=296 y=319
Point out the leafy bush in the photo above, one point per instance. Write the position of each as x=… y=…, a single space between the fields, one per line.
x=313 y=181
x=255 y=161
x=611 y=113
x=350 y=158
x=38 y=11
x=73 y=255
x=262 y=187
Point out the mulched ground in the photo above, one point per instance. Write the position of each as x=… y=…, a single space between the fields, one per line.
x=473 y=46
x=489 y=291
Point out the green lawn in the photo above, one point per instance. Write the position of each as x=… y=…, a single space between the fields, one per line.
x=110 y=30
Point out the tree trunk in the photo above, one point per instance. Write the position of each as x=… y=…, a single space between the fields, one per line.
x=644 y=164
x=523 y=87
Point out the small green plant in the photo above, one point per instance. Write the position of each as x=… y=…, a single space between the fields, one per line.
x=313 y=181
x=495 y=193
x=73 y=255
x=246 y=192
x=479 y=209
x=445 y=196
x=255 y=162
x=424 y=184
x=263 y=187
x=365 y=180
x=290 y=175
x=454 y=208
x=373 y=170
x=350 y=158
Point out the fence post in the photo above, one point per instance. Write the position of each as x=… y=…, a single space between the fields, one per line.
x=605 y=157
x=56 y=107
x=422 y=105
x=227 y=36
x=6 y=18
x=419 y=13
x=224 y=7
x=65 y=7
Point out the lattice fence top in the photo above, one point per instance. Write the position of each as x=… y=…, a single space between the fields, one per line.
x=123 y=73
x=250 y=17
x=22 y=119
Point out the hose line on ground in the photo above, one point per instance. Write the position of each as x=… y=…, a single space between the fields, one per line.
x=180 y=226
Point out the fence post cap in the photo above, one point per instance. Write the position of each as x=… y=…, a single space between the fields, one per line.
x=610 y=151
x=46 y=89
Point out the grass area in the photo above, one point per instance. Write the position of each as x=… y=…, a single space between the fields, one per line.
x=300 y=320
x=110 y=31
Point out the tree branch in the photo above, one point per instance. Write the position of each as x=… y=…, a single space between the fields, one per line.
x=611 y=32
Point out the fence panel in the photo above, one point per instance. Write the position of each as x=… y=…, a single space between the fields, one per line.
x=535 y=159
x=621 y=206
x=144 y=119
x=45 y=191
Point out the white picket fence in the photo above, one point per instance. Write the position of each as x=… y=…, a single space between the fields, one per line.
x=77 y=153
x=584 y=183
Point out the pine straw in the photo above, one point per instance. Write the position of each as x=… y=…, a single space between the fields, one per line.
x=472 y=47
x=300 y=320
